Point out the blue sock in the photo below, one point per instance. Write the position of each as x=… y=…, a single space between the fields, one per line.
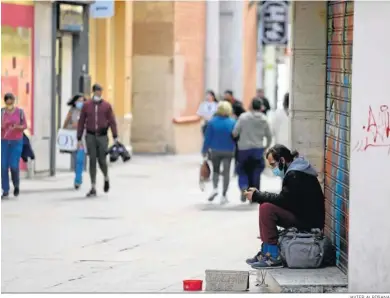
x=272 y=249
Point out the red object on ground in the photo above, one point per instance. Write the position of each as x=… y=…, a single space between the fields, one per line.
x=193 y=285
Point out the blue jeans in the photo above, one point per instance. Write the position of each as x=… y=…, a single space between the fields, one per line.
x=10 y=158
x=79 y=166
x=249 y=167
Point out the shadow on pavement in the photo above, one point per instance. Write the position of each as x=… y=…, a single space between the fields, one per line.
x=46 y=190
x=81 y=197
x=228 y=207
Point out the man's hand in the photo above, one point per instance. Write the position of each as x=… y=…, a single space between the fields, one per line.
x=79 y=144
x=249 y=193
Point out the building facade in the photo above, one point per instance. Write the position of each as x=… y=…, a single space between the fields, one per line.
x=340 y=121
x=44 y=54
x=17 y=56
x=157 y=58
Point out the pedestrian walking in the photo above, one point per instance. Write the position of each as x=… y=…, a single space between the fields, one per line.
x=280 y=122
x=251 y=129
x=13 y=123
x=238 y=109
x=207 y=109
x=71 y=122
x=218 y=142
x=96 y=118
x=264 y=101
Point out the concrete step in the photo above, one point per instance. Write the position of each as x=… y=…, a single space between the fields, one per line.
x=323 y=280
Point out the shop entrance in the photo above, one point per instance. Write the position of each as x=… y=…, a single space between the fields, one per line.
x=64 y=75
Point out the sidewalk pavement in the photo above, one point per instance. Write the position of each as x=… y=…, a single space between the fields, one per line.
x=152 y=230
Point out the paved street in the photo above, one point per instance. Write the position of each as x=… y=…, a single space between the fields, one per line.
x=154 y=229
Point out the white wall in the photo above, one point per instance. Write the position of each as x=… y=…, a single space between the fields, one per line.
x=369 y=236
x=230 y=47
x=42 y=84
x=63 y=161
x=308 y=63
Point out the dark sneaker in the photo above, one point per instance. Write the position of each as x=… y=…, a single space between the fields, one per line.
x=91 y=193
x=5 y=195
x=76 y=186
x=268 y=262
x=106 y=186
x=257 y=258
x=16 y=191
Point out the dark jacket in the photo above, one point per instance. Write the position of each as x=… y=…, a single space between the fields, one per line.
x=27 y=152
x=96 y=118
x=266 y=105
x=238 y=109
x=301 y=194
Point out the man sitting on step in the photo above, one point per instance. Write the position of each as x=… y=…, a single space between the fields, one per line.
x=300 y=204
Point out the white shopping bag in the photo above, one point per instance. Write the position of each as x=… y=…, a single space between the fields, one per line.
x=67 y=140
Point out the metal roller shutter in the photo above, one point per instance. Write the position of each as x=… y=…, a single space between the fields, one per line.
x=337 y=125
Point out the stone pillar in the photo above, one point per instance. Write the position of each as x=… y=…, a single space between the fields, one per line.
x=103 y=49
x=212 y=46
x=123 y=63
x=44 y=78
x=307 y=100
x=369 y=187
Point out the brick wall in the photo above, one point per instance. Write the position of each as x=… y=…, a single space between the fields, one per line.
x=190 y=44
x=250 y=48
x=189 y=71
x=152 y=76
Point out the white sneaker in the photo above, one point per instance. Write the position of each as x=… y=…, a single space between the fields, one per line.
x=213 y=195
x=224 y=200
x=202 y=185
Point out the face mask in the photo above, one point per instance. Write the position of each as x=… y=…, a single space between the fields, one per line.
x=96 y=98
x=79 y=105
x=278 y=172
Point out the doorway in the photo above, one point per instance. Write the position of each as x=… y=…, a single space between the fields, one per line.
x=64 y=76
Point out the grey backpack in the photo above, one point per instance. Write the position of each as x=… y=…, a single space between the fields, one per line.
x=305 y=249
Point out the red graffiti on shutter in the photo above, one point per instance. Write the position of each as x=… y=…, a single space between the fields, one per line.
x=376 y=130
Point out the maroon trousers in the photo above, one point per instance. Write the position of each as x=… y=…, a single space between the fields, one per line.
x=270 y=217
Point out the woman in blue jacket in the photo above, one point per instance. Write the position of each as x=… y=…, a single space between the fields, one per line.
x=218 y=142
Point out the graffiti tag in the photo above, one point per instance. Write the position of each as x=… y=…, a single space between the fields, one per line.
x=376 y=130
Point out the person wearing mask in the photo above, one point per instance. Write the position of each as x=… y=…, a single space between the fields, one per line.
x=300 y=204
x=265 y=102
x=279 y=123
x=251 y=129
x=13 y=123
x=207 y=109
x=218 y=142
x=238 y=109
x=96 y=118
x=71 y=122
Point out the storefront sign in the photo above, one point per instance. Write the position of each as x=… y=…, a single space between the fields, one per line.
x=102 y=9
x=70 y=18
x=274 y=22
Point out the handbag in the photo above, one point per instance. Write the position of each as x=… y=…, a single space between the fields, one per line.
x=305 y=250
x=67 y=140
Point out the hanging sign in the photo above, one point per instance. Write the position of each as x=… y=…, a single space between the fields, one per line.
x=274 y=22
x=102 y=9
